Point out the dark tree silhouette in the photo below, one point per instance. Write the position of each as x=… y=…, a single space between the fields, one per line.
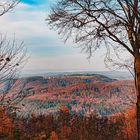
x=7 y=5
x=12 y=58
x=97 y=23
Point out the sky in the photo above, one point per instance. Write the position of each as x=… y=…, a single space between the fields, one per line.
x=46 y=49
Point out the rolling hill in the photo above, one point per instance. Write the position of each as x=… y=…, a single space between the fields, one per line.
x=83 y=94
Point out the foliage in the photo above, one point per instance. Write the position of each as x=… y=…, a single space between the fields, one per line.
x=66 y=127
x=6 y=125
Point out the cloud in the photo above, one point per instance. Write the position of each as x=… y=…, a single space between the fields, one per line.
x=71 y=62
x=46 y=48
x=30 y=27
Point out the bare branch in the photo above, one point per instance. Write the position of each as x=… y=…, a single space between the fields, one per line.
x=7 y=5
x=12 y=59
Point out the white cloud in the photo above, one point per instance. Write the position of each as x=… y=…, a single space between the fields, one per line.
x=29 y=26
x=65 y=63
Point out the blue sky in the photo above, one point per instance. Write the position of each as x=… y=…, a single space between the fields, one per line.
x=37 y=2
x=44 y=3
x=46 y=48
x=32 y=2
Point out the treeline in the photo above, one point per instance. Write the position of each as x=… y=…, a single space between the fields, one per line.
x=63 y=127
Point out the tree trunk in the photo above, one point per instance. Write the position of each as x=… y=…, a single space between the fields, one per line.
x=137 y=84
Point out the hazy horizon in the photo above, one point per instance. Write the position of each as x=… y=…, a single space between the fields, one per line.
x=109 y=73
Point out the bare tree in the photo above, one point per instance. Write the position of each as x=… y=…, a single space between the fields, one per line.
x=12 y=59
x=7 y=5
x=98 y=23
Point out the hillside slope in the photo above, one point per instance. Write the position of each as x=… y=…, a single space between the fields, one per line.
x=81 y=94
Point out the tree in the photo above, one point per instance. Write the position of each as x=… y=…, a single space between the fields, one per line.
x=12 y=60
x=12 y=56
x=7 y=5
x=114 y=24
x=53 y=136
x=6 y=125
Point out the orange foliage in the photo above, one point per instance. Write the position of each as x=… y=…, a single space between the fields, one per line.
x=65 y=132
x=53 y=136
x=130 y=121
x=40 y=136
x=64 y=108
x=6 y=125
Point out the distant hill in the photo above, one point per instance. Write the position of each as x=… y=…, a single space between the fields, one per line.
x=111 y=74
x=82 y=93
